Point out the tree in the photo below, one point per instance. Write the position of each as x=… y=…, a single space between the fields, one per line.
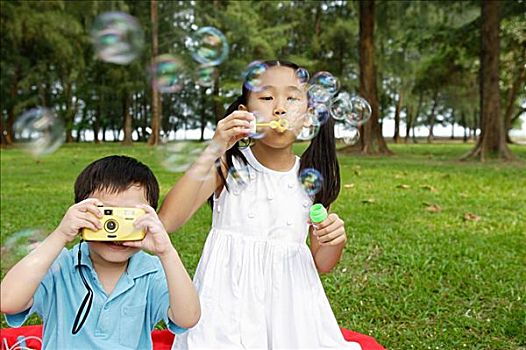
x=372 y=141
x=492 y=140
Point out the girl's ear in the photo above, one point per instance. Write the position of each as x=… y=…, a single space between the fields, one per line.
x=242 y=108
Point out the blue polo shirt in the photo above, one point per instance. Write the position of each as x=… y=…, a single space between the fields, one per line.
x=122 y=320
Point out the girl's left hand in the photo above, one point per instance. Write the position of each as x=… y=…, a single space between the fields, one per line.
x=156 y=239
x=331 y=231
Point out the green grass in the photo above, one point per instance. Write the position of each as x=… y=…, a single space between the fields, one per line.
x=410 y=277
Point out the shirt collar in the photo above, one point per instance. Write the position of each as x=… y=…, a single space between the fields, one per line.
x=139 y=264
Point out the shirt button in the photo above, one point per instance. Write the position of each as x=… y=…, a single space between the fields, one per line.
x=106 y=307
x=252 y=176
x=289 y=222
x=305 y=204
x=270 y=196
x=251 y=215
x=291 y=185
x=218 y=208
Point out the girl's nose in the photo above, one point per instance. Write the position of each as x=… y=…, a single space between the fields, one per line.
x=279 y=112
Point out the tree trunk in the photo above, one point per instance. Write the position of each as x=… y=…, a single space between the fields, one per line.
x=408 y=123
x=520 y=77
x=127 y=117
x=396 y=137
x=372 y=141
x=156 y=103
x=492 y=140
x=432 y=118
x=463 y=121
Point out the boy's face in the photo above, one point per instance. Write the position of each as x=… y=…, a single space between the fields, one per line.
x=110 y=252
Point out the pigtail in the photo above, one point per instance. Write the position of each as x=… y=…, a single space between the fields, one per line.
x=321 y=155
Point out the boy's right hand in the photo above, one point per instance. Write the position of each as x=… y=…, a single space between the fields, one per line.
x=84 y=214
x=232 y=128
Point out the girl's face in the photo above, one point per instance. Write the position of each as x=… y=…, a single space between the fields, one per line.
x=282 y=96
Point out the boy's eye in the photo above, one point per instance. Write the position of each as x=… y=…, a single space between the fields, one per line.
x=293 y=98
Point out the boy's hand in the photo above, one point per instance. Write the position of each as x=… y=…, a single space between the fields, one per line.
x=156 y=239
x=84 y=214
x=331 y=231
x=232 y=129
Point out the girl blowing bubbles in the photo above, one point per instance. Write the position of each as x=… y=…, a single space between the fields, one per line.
x=257 y=278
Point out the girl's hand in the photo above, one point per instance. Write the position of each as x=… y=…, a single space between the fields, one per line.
x=84 y=214
x=331 y=231
x=232 y=129
x=156 y=239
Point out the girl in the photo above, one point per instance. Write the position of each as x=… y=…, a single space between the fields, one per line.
x=257 y=278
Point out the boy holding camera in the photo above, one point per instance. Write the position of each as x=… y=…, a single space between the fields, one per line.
x=106 y=293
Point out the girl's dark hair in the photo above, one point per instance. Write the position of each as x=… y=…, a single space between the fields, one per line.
x=320 y=155
x=115 y=174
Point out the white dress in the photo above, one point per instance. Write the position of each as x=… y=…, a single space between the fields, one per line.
x=256 y=279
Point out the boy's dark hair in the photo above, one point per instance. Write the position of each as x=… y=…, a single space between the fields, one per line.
x=116 y=174
x=321 y=153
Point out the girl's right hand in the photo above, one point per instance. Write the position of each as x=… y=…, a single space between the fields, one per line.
x=232 y=128
x=84 y=214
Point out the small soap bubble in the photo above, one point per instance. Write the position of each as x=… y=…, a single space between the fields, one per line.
x=303 y=75
x=167 y=73
x=208 y=45
x=39 y=131
x=252 y=76
x=117 y=37
x=311 y=180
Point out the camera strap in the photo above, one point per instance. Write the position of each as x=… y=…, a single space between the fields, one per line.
x=85 y=306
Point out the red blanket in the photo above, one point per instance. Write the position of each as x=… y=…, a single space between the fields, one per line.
x=162 y=340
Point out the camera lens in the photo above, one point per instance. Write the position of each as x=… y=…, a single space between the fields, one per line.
x=108 y=211
x=111 y=226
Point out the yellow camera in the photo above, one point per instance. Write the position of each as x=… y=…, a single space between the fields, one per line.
x=117 y=225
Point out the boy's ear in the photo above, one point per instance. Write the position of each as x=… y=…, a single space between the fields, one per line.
x=242 y=108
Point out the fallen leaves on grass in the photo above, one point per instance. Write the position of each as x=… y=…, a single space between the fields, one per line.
x=432 y=207
x=404 y=187
x=368 y=201
x=348 y=186
x=429 y=188
x=471 y=217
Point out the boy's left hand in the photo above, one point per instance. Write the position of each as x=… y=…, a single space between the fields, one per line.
x=331 y=231
x=156 y=239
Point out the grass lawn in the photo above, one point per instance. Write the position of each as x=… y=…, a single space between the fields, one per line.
x=436 y=254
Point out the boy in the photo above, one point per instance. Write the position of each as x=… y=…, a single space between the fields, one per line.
x=129 y=291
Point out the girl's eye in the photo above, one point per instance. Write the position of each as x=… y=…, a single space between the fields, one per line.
x=266 y=98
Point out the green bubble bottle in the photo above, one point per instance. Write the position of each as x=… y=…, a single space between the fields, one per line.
x=318 y=213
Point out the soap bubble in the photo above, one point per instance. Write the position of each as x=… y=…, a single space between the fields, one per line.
x=252 y=76
x=20 y=244
x=360 y=112
x=117 y=37
x=39 y=131
x=341 y=106
x=309 y=128
x=206 y=75
x=208 y=45
x=167 y=73
x=311 y=180
x=323 y=86
x=238 y=177
x=347 y=133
